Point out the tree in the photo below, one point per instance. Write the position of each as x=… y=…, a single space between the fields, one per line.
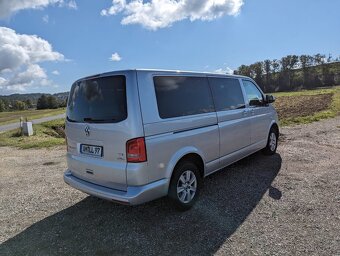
x=42 y=102
x=63 y=103
x=19 y=105
x=293 y=61
x=304 y=62
x=2 y=106
x=257 y=72
x=52 y=102
x=28 y=103
x=267 y=70
x=243 y=70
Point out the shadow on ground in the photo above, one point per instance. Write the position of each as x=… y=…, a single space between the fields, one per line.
x=97 y=227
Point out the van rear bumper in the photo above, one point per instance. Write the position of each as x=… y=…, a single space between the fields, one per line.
x=133 y=196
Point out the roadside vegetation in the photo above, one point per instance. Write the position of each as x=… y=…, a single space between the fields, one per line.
x=45 y=135
x=14 y=116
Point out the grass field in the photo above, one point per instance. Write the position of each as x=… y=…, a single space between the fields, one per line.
x=46 y=135
x=307 y=106
x=14 y=116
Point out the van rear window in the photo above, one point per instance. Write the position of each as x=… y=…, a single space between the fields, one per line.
x=98 y=100
x=182 y=96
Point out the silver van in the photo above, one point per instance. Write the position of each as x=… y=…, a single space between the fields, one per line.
x=137 y=135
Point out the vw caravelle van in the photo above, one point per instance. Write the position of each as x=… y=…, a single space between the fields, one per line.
x=137 y=135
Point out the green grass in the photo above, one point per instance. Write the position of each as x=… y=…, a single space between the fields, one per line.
x=14 y=116
x=307 y=92
x=331 y=112
x=48 y=134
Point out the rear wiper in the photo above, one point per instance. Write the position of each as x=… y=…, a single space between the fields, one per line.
x=92 y=120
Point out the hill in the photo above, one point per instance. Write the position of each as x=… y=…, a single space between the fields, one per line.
x=33 y=97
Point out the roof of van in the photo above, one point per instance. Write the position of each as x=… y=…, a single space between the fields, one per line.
x=164 y=71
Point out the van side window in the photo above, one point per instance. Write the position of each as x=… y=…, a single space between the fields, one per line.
x=227 y=93
x=182 y=96
x=254 y=95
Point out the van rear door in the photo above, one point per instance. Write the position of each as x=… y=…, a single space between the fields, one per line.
x=98 y=127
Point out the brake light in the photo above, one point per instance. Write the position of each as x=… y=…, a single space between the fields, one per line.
x=136 y=150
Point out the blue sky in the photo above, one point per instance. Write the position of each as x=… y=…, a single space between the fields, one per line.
x=83 y=39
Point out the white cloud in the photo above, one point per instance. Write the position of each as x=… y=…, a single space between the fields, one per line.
x=226 y=70
x=72 y=5
x=115 y=57
x=46 y=18
x=55 y=72
x=20 y=56
x=8 y=7
x=157 y=14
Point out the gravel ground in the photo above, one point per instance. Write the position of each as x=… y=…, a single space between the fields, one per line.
x=286 y=204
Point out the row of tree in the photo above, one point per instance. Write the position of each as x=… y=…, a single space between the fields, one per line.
x=6 y=105
x=44 y=102
x=294 y=72
x=50 y=102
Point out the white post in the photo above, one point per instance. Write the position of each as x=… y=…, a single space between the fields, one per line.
x=27 y=128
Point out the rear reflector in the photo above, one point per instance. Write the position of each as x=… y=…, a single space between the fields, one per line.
x=136 y=150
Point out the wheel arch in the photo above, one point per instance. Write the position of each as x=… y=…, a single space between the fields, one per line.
x=189 y=153
x=276 y=127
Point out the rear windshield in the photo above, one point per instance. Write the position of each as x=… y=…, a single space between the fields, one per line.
x=98 y=100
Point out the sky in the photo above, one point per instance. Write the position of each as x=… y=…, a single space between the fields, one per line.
x=45 y=45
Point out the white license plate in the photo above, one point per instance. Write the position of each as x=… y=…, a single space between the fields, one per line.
x=91 y=150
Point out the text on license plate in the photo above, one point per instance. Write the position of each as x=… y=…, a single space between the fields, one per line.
x=91 y=150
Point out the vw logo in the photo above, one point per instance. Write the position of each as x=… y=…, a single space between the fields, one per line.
x=87 y=130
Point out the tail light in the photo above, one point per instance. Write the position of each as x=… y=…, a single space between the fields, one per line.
x=136 y=150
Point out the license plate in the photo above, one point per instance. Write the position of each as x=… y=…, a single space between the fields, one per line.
x=91 y=150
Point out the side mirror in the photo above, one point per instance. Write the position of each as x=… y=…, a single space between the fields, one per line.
x=255 y=102
x=270 y=98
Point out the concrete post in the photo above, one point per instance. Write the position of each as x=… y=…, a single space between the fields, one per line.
x=27 y=128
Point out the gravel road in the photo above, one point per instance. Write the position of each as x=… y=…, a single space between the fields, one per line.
x=286 y=204
x=12 y=126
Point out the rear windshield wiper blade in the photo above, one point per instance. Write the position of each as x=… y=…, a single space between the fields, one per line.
x=93 y=120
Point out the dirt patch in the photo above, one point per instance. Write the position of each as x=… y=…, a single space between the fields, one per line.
x=299 y=106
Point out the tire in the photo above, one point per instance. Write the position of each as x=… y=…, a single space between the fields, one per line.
x=186 y=178
x=272 y=141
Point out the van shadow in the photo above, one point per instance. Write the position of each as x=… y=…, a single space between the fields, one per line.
x=97 y=227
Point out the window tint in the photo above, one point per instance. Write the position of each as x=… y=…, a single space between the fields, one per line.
x=252 y=92
x=99 y=100
x=227 y=93
x=182 y=96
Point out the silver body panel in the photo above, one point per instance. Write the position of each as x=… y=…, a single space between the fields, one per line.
x=219 y=138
